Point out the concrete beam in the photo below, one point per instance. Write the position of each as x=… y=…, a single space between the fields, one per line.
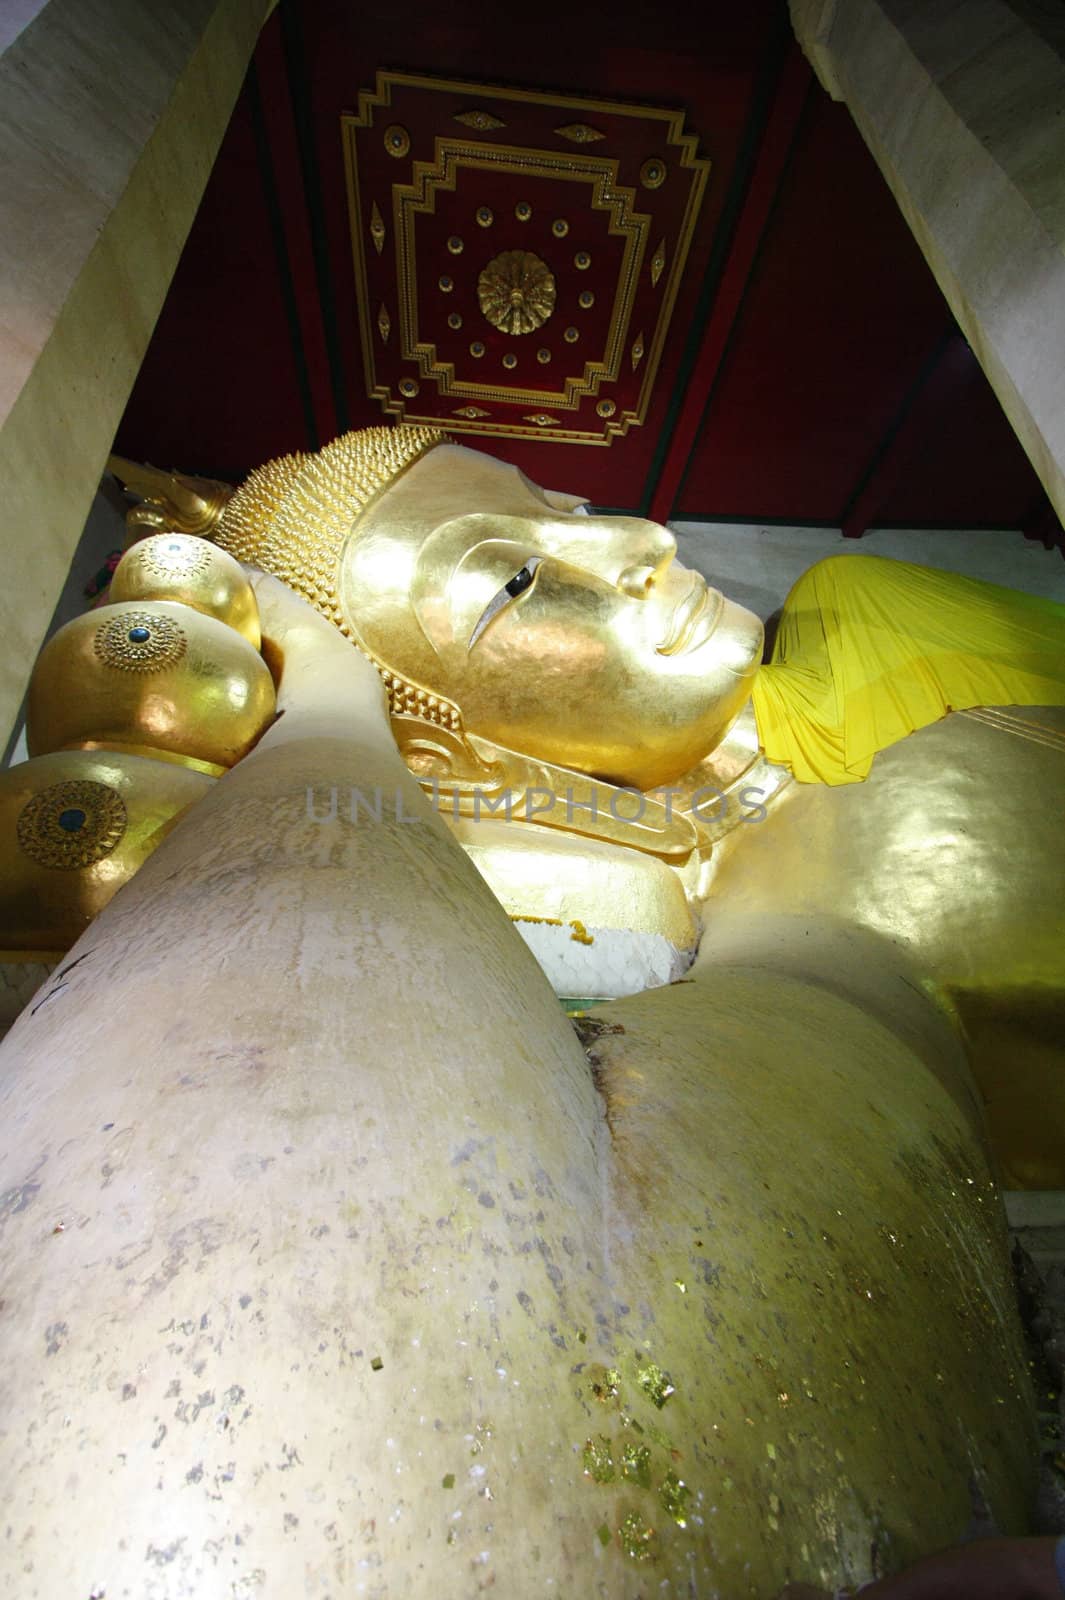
x=111 y=114
x=962 y=104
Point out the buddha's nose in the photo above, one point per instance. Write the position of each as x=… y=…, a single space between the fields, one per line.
x=655 y=548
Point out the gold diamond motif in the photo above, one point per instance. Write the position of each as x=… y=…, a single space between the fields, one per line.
x=636 y=353
x=540 y=419
x=579 y=133
x=471 y=413
x=377 y=228
x=384 y=324
x=658 y=263
x=516 y=292
x=483 y=121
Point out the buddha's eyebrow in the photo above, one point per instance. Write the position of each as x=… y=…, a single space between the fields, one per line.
x=504 y=596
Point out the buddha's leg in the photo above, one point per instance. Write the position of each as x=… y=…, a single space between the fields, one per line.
x=302 y=1208
x=951 y=853
x=322 y=1268
x=813 y=1221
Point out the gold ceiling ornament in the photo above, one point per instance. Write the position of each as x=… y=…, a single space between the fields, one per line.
x=510 y=360
x=636 y=353
x=454 y=320
x=72 y=824
x=471 y=413
x=464 y=181
x=653 y=173
x=658 y=262
x=579 y=133
x=408 y=387
x=571 y=335
x=293 y=517
x=582 y=261
x=516 y=292
x=377 y=228
x=543 y=355
x=384 y=323
x=540 y=419
x=606 y=408
x=397 y=141
x=483 y=121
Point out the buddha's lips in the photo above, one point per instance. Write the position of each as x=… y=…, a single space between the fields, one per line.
x=690 y=612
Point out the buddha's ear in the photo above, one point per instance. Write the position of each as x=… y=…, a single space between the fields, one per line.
x=441 y=754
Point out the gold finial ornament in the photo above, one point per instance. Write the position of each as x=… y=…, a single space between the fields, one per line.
x=180 y=567
x=516 y=291
x=157 y=678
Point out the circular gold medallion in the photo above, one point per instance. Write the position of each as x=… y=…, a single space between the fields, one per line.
x=477 y=349
x=560 y=227
x=523 y=211
x=606 y=408
x=484 y=216
x=446 y=284
x=139 y=641
x=582 y=260
x=586 y=299
x=454 y=319
x=516 y=291
x=72 y=824
x=175 y=556
x=408 y=387
x=571 y=336
x=455 y=245
x=543 y=355
x=653 y=173
x=510 y=361
x=397 y=140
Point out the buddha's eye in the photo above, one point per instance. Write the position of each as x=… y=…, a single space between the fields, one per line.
x=511 y=589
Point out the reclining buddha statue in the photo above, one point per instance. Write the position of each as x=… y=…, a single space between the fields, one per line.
x=335 y=1264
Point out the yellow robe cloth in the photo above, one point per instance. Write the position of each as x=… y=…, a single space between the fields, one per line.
x=870 y=649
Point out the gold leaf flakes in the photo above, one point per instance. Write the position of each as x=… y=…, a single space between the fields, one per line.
x=579 y=133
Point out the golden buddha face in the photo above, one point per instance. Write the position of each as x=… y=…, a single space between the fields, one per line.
x=577 y=640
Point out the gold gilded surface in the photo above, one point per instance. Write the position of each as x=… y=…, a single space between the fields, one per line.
x=516 y=292
x=75 y=826
x=154 y=675
x=189 y=570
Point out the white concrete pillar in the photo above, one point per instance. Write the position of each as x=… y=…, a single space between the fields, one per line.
x=962 y=104
x=111 y=114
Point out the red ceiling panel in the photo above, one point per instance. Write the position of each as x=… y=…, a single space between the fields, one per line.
x=258 y=348
x=839 y=317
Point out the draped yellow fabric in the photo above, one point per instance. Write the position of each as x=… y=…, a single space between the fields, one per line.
x=870 y=649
